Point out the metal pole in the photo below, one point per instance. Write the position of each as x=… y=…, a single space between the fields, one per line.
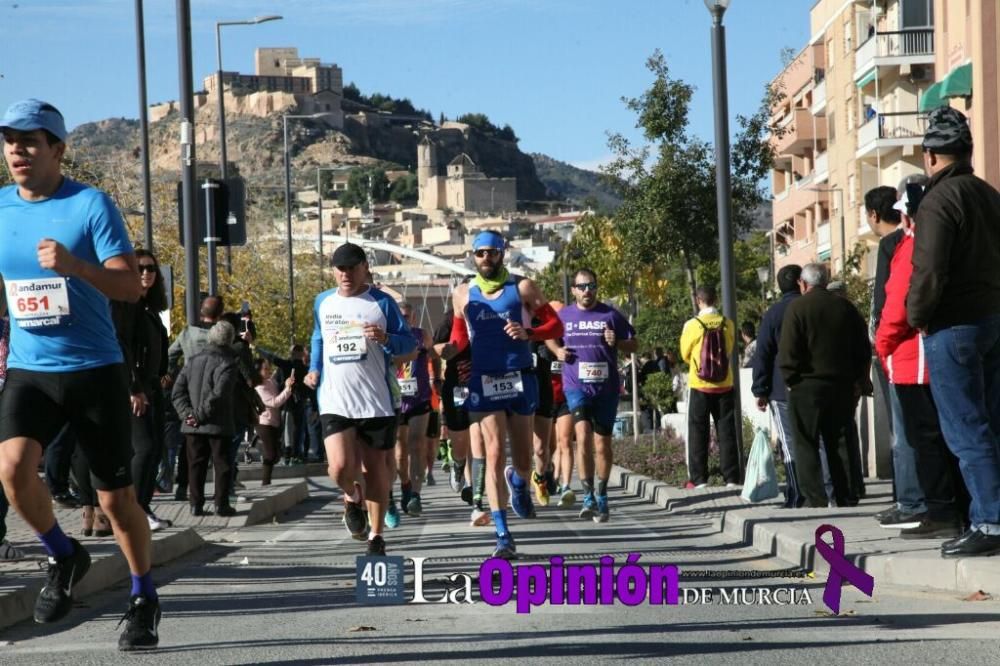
x=147 y=197
x=843 y=236
x=210 y=238
x=188 y=161
x=723 y=193
x=288 y=230
x=319 y=221
x=223 y=171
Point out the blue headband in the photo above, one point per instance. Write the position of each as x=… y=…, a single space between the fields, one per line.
x=489 y=239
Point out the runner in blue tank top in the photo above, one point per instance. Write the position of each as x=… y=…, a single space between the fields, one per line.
x=493 y=314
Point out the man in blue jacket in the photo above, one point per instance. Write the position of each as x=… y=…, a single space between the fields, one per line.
x=768 y=384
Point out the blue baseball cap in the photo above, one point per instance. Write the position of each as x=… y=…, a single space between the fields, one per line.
x=490 y=239
x=34 y=114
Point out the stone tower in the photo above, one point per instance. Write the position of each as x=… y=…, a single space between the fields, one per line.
x=427 y=185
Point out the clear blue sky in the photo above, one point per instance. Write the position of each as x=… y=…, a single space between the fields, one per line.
x=555 y=70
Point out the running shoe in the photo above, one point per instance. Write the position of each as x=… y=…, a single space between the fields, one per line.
x=567 y=498
x=392 y=516
x=142 y=624
x=602 y=509
x=520 y=499
x=480 y=518
x=430 y=478
x=376 y=545
x=156 y=523
x=589 y=507
x=541 y=488
x=467 y=495
x=56 y=599
x=505 y=550
x=404 y=501
x=550 y=481
x=356 y=518
x=415 y=508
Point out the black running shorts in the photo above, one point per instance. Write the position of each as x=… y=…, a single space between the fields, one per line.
x=378 y=432
x=414 y=412
x=456 y=417
x=94 y=402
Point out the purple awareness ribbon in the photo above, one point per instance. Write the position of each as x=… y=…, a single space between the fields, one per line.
x=840 y=568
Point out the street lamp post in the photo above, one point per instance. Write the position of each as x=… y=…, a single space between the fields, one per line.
x=147 y=197
x=288 y=216
x=763 y=276
x=319 y=209
x=723 y=190
x=223 y=171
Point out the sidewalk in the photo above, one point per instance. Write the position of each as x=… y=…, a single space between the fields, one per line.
x=790 y=535
x=21 y=581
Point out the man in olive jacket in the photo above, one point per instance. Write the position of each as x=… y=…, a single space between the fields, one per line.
x=824 y=355
x=204 y=397
x=954 y=299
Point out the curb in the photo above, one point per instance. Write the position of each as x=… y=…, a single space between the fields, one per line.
x=268 y=507
x=256 y=472
x=105 y=571
x=795 y=543
x=17 y=595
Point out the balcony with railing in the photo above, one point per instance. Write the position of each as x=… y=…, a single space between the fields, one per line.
x=801 y=130
x=823 y=245
x=821 y=167
x=887 y=131
x=898 y=47
x=819 y=97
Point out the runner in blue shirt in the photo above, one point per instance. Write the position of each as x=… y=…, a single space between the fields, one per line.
x=493 y=315
x=65 y=254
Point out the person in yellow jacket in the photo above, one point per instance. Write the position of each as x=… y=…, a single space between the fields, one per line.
x=710 y=397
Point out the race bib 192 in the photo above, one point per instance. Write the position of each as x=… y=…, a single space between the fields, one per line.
x=349 y=345
x=37 y=303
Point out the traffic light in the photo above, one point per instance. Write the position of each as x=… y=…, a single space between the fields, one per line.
x=227 y=202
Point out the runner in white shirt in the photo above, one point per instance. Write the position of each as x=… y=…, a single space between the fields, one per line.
x=358 y=329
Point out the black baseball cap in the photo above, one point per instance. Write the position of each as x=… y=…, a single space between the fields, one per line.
x=348 y=254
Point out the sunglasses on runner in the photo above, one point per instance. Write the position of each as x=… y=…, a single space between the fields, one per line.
x=491 y=253
x=586 y=286
x=147 y=268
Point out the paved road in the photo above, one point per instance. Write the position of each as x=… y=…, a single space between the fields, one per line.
x=284 y=593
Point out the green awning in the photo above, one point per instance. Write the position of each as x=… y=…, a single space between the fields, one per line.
x=932 y=98
x=866 y=79
x=958 y=83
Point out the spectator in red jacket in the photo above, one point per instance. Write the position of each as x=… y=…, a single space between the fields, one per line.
x=901 y=350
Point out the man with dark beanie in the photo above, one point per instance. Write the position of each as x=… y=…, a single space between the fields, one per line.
x=769 y=385
x=954 y=299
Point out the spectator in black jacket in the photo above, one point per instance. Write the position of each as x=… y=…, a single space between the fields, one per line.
x=204 y=398
x=144 y=344
x=769 y=385
x=954 y=299
x=824 y=355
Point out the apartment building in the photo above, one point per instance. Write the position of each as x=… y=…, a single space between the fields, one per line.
x=851 y=120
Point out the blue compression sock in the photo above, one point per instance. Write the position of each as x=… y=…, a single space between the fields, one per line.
x=56 y=542
x=143 y=585
x=500 y=520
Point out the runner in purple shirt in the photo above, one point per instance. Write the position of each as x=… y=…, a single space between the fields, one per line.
x=593 y=334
